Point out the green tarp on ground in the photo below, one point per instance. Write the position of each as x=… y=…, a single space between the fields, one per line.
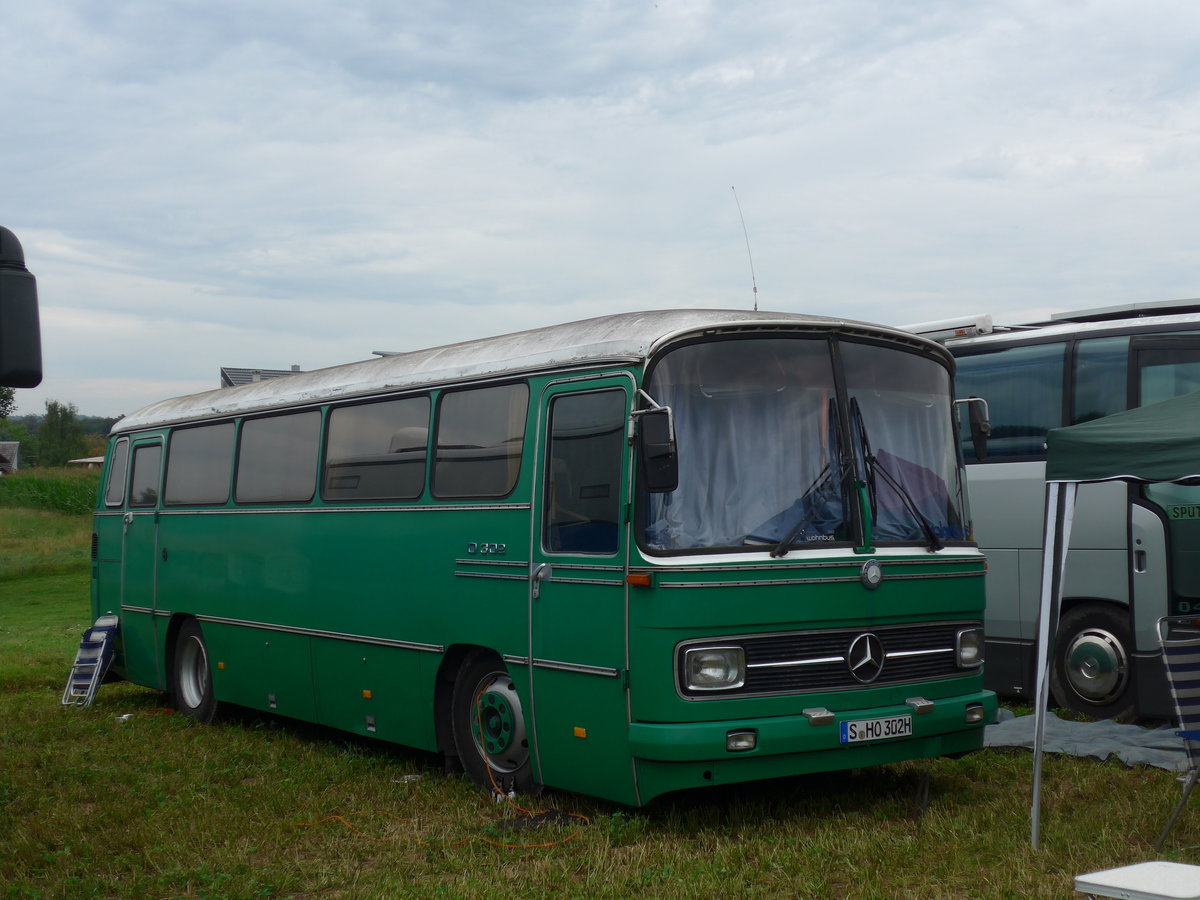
x=1159 y=442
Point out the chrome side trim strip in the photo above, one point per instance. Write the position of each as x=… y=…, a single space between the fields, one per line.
x=336 y=635
x=608 y=581
x=489 y=562
x=498 y=575
x=578 y=668
x=144 y=610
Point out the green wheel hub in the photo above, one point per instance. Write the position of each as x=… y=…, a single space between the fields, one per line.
x=497 y=717
x=498 y=724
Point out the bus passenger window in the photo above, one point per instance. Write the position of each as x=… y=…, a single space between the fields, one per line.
x=480 y=433
x=277 y=458
x=376 y=451
x=1024 y=390
x=143 y=488
x=114 y=493
x=1101 y=373
x=199 y=463
x=583 y=482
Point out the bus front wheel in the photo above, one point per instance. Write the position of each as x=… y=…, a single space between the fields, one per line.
x=489 y=726
x=191 y=676
x=1093 y=670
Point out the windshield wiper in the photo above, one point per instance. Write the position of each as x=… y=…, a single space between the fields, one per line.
x=873 y=466
x=781 y=549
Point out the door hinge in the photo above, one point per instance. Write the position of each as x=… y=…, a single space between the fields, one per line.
x=625 y=679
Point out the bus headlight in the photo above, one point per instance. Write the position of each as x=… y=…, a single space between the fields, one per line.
x=970 y=648
x=714 y=668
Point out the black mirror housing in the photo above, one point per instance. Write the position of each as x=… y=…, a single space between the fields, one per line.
x=656 y=446
x=980 y=428
x=20 y=330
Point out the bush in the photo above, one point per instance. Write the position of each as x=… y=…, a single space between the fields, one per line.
x=68 y=490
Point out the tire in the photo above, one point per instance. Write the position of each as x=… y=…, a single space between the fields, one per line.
x=1093 y=663
x=191 y=675
x=489 y=726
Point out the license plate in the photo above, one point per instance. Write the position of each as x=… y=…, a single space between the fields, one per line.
x=876 y=729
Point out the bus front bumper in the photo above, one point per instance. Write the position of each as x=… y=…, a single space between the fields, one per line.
x=675 y=756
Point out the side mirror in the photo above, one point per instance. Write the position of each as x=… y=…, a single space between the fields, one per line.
x=656 y=447
x=20 y=332
x=981 y=427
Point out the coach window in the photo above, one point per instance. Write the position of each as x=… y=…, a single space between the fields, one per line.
x=199 y=463
x=377 y=451
x=1024 y=390
x=277 y=458
x=143 y=486
x=114 y=493
x=583 y=491
x=479 y=440
x=1101 y=374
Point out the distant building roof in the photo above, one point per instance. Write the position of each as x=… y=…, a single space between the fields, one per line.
x=232 y=376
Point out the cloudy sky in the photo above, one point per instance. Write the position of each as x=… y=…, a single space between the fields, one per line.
x=263 y=183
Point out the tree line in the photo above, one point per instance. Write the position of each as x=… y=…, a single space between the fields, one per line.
x=55 y=437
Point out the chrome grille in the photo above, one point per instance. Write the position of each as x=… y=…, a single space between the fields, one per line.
x=815 y=661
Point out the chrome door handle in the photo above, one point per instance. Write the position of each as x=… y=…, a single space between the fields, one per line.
x=542 y=572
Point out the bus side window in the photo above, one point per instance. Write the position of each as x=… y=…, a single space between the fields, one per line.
x=1101 y=373
x=480 y=434
x=143 y=486
x=583 y=481
x=199 y=463
x=114 y=492
x=376 y=451
x=277 y=458
x=1024 y=390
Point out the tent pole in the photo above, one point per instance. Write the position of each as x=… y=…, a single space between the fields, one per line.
x=1056 y=537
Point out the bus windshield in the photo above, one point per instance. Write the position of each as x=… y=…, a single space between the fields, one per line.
x=771 y=447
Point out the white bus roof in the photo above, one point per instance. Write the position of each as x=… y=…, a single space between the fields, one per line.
x=626 y=337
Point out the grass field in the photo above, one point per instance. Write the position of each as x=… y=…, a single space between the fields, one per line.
x=93 y=804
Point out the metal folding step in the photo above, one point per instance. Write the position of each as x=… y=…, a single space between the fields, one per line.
x=91 y=662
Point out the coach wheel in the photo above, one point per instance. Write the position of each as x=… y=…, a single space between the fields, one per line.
x=1093 y=671
x=489 y=726
x=192 y=676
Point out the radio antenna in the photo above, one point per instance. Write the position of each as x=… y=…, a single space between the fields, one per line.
x=753 y=281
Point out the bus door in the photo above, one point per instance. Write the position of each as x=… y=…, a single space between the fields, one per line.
x=577 y=614
x=1166 y=366
x=139 y=552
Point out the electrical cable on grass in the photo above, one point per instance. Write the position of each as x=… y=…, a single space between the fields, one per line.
x=535 y=818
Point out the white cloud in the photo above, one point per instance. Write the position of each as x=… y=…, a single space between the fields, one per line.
x=262 y=183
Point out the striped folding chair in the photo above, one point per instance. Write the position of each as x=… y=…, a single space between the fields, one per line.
x=1180 y=640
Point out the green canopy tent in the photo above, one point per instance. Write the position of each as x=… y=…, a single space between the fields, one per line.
x=1154 y=443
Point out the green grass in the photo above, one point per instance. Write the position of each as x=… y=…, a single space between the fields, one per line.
x=252 y=806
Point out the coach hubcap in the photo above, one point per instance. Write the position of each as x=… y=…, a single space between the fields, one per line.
x=1097 y=665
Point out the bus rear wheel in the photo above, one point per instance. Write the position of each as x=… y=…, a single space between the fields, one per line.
x=191 y=676
x=489 y=726
x=1093 y=669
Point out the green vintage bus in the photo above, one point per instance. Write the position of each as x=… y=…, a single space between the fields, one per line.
x=624 y=556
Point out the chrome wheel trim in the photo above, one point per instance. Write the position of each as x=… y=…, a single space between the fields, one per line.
x=503 y=724
x=193 y=672
x=1096 y=665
